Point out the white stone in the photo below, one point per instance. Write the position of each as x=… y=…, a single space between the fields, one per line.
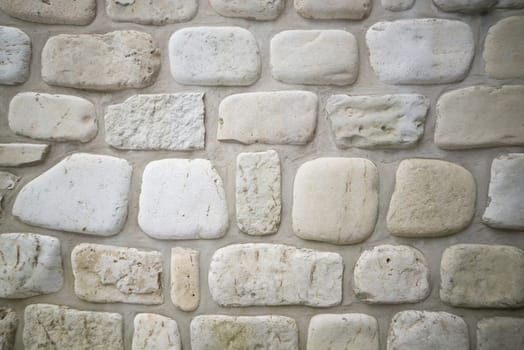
x=156 y=12
x=53 y=117
x=182 y=199
x=510 y=4
x=77 y=12
x=390 y=274
x=58 y=327
x=274 y=274
x=465 y=5
x=244 y=332
x=277 y=117
x=109 y=274
x=213 y=56
x=335 y=200
x=482 y=276
x=317 y=57
x=333 y=9
x=157 y=122
x=381 y=121
x=397 y=5
x=8 y=326
x=21 y=154
x=185 y=278
x=15 y=55
x=420 y=51
x=262 y=10
x=432 y=198
x=8 y=182
x=500 y=333
x=152 y=331
x=112 y=61
x=83 y=193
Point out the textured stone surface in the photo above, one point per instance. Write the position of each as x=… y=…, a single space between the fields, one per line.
x=83 y=193
x=420 y=51
x=154 y=331
x=157 y=122
x=77 y=12
x=510 y=4
x=182 y=199
x=53 y=117
x=335 y=200
x=465 y=5
x=274 y=274
x=482 y=276
x=277 y=117
x=111 y=61
x=20 y=154
x=318 y=57
x=333 y=9
x=8 y=326
x=8 y=182
x=432 y=198
x=500 y=333
x=258 y=202
x=381 y=121
x=15 y=55
x=397 y=5
x=185 y=278
x=214 y=56
x=155 y=12
x=261 y=10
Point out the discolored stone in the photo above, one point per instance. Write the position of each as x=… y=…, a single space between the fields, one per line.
x=15 y=55
x=261 y=10
x=152 y=331
x=8 y=326
x=185 y=278
x=156 y=12
x=333 y=9
x=22 y=154
x=77 y=12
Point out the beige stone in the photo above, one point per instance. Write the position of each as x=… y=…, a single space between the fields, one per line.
x=77 y=12
x=152 y=331
x=504 y=49
x=22 y=154
x=156 y=12
x=8 y=182
x=500 y=333
x=8 y=326
x=333 y=9
x=185 y=278
x=262 y=10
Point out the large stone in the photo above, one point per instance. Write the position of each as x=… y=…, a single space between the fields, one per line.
x=381 y=121
x=277 y=117
x=482 y=276
x=84 y=193
x=420 y=51
x=182 y=199
x=21 y=154
x=113 y=61
x=156 y=12
x=465 y=5
x=77 y=12
x=8 y=182
x=397 y=5
x=333 y=9
x=172 y=122
x=154 y=331
x=15 y=55
x=8 y=326
x=335 y=200
x=510 y=4
x=274 y=274
x=262 y=10
x=185 y=278
x=214 y=56
x=500 y=333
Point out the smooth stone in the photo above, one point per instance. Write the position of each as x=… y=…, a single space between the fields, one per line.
x=155 y=12
x=500 y=333
x=8 y=326
x=185 y=278
x=22 y=154
x=152 y=331
x=77 y=12
x=510 y=4
x=8 y=182
x=466 y=6
x=261 y=10
x=397 y=5
x=15 y=55
x=333 y=9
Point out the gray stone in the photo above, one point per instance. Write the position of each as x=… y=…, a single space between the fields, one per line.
x=152 y=331
x=333 y=9
x=21 y=154
x=8 y=182
x=510 y=4
x=262 y=10
x=185 y=278
x=500 y=333
x=397 y=5
x=15 y=55
x=8 y=326
x=156 y=12
x=466 y=6
x=77 y=12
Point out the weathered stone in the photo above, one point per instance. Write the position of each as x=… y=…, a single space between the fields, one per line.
x=318 y=57
x=157 y=122
x=20 y=154
x=84 y=193
x=214 y=56
x=277 y=117
x=432 y=198
x=156 y=12
x=397 y=5
x=333 y=9
x=335 y=200
x=482 y=276
x=465 y=5
x=59 y=327
x=8 y=326
x=154 y=331
x=15 y=55
x=274 y=274
x=500 y=333
x=182 y=199
x=53 y=117
x=185 y=278
x=8 y=182
x=420 y=51
x=77 y=12
x=390 y=274
x=382 y=121
x=262 y=10
x=112 y=61
x=244 y=332
x=510 y=4
x=504 y=49
x=258 y=202
x=480 y=116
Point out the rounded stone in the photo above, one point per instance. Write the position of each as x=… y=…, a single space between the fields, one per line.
x=15 y=56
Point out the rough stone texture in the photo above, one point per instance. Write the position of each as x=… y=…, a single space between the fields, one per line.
x=333 y=9
x=432 y=198
x=262 y=10
x=53 y=117
x=8 y=326
x=157 y=122
x=58 y=327
x=397 y=5
x=182 y=199
x=381 y=121
x=500 y=333
x=214 y=56
x=510 y=4
x=420 y=51
x=244 y=332
x=8 y=182
x=482 y=276
x=156 y=12
x=77 y=12
x=112 y=61
x=258 y=202
x=464 y=116
x=185 y=278
x=154 y=331
x=335 y=200
x=20 y=154
x=15 y=55
x=317 y=57
x=275 y=274
x=277 y=117
x=465 y=5
x=83 y=193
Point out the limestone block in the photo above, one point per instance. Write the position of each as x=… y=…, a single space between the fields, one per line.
x=261 y=10
x=500 y=333
x=77 y=12
x=21 y=154
x=156 y=12
x=154 y=331
x=8 y=326
x=466 y=6
x=333 y=9
x=185 y=278
x=397 y=5
x=15 y=54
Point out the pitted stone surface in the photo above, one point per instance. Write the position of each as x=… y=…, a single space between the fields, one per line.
x=397 y=5
x=482 y=276
x=157 y=122
x=277 y=117
x=333 y=9
x=500 y=333
x=84 y=193
x=318 y=57
x=8 y=182
x=182 y=199
x=77 y=12
x=15 y=55
x=154 y=331
x=112 y=61
x=420 y=51
x=185 y=278
x=20 y=154
x=335 y=200
x=213 y=56
x=432 y=198
x=275 y=274
x=262 y=10
x=8 y=326
x=465 y=5
x=156 y=12
x=381 y=121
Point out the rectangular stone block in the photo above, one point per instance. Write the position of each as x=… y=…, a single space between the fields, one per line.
x=500 y=333
x=77 y=12
x=21 y=154
x=261 y=10
x=15 y=54
x=152 y=331
x=185 y=278
x=333 y=9
x=155 y=12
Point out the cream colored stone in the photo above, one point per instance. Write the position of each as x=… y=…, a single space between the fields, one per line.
x=77 y=12
x=262 y=10
x=8 y=326
x=504 y=49
x=156 y=12
x=152 y=331
x=185 y=278
x=22 y=154
x=15 y=55
x=500 y=333
x=333 y=9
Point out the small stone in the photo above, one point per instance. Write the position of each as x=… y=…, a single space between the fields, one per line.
x=335 y=200
x=277 y=117
x=317 y=57
x=84 y=193
x=154 y=331
x=172 y=122
x=510 y=4
x=8 y=182
x=504 y=49
x=155 y=12
x=77 y=12
x=397 y=5
x=182 y=199
x=185 y=278
x=261 y=10
x=500 y=333
x=15 y=55
x=333 y=9
x=466 y=6
x=8 y=326
x=21 y=154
